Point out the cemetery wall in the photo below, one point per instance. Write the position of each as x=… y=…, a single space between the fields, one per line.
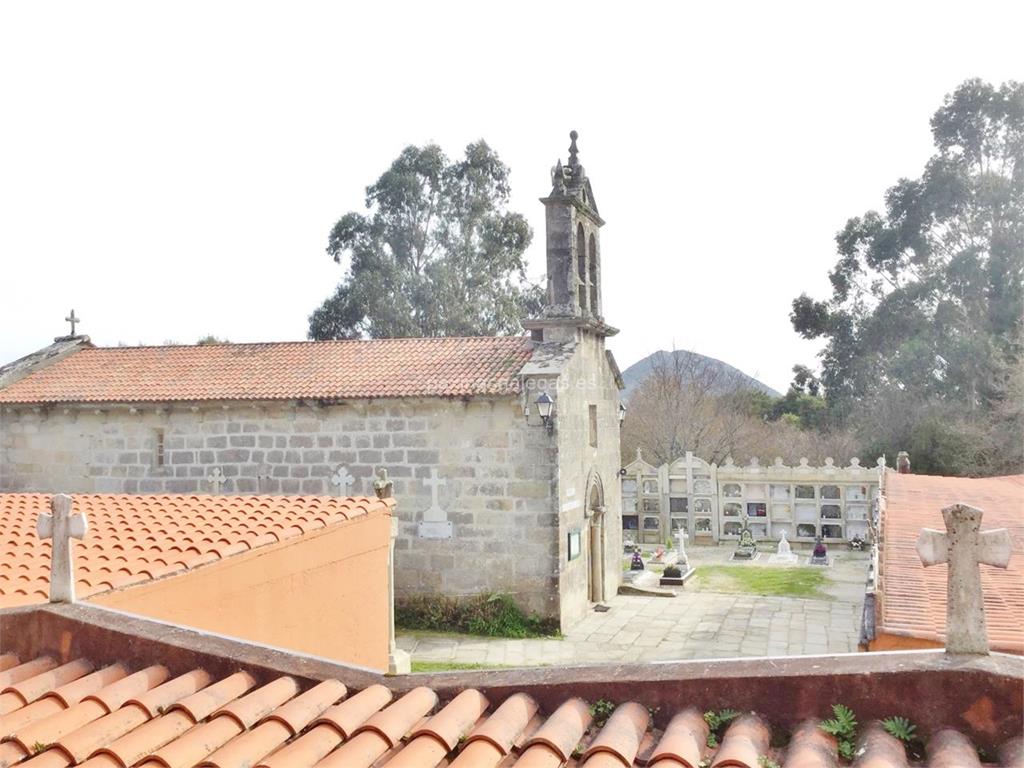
x=498 y=474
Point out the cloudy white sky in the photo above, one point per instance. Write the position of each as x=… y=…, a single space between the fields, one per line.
x=172 y=170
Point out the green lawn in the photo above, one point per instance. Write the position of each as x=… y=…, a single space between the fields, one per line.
x=755 y=580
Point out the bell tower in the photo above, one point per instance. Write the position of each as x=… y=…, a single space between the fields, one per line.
x=573 y=299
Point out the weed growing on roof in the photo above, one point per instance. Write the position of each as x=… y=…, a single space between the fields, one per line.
x=903 y=729
x=766 y=762
x=716 y=721
x=900 y=727
x=40 y=747
x=490 y=615
x=843 y=725
x=601 y=710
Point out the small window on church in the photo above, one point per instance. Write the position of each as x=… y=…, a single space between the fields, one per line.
x=158 y=448
x=581 y=265
x=593 y=274
x=593 y=426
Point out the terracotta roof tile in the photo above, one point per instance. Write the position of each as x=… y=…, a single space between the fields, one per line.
x=621 y=736
x=230 y=723
x=912 y=598
x=683 y=741
x=136 y=538
x=745 y=742
x=324 y=370
x=811 y=747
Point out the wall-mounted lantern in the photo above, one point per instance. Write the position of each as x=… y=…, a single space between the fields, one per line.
x=546 y=409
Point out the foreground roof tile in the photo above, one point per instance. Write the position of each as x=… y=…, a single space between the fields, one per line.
x=110 y=718
x=811 y=747
x=135 y=538
x=745 y=743
x=682 y=745
x=322 y=370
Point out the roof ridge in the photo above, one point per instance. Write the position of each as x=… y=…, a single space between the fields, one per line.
x=307 y=342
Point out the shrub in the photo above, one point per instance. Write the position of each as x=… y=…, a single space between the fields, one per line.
x=491 y=615
x=672 y=571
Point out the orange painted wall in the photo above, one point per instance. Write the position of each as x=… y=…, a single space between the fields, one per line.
x=884 y=642
x=323 y=593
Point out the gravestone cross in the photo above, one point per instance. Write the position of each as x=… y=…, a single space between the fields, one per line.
x=341 y=479
x=73 y=320
x=435 y=513
x=60 y=526
x=216 y=479
x=964 y=546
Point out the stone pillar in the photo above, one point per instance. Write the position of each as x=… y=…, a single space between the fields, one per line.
x=597 y=554
x=903 y=463
x=399 y=661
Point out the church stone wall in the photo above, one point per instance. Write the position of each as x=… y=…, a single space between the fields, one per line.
x=498 y=473
x=588 y=475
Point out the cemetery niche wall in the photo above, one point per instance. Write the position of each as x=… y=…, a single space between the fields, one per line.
x=712 y=502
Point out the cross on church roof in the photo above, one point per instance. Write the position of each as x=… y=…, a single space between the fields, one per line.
x=73 y=320
x=964 y=546
x=61 y=526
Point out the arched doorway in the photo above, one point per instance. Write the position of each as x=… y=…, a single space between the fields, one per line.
x=596 y=543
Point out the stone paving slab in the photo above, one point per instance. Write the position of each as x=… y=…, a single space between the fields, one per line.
x=692 y=625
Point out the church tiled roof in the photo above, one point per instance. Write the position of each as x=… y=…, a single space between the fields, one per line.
x=313 y=370
x=912 y=598
x=137 y=538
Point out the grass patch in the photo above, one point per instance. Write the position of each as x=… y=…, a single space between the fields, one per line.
x=755 y=580
x=452 y=666
x=488 y=615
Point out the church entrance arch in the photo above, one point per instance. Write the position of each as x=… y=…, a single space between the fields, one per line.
x=596 y=538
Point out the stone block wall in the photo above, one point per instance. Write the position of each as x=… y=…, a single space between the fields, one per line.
x=588 y=474
x=499 y=472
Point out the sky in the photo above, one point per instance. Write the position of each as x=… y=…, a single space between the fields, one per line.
x=172 y=170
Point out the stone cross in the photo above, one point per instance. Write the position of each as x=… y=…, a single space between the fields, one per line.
x=964 y=546
x=72 y=319
x=60 y=526
x=435 y=513
x=341 y=479
x=216 y=479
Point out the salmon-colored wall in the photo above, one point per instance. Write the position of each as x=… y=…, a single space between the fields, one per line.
x=885 y=642
x=322 y=593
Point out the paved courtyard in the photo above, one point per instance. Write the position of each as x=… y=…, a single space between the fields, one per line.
x=694 y=624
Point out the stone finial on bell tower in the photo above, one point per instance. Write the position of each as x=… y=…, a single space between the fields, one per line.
x=573 y=299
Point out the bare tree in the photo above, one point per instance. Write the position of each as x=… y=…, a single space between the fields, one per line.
x=688 y=403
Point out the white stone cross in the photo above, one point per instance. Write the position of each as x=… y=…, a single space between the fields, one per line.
x=60 y=526
x=341 y=479
x=964 y=546
x=435 y=513
x=216 y=479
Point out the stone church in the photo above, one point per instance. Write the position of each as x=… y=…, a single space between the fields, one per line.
x=503 y=452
